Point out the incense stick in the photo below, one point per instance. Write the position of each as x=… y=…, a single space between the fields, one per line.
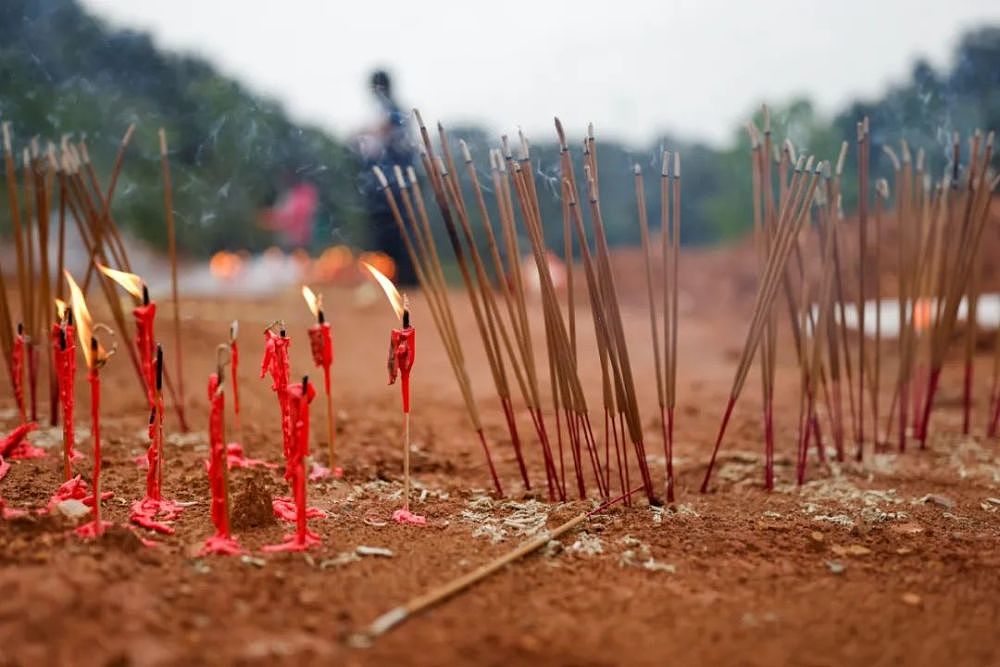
x=168 y=210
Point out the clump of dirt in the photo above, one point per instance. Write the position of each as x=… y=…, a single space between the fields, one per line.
x=252 y=505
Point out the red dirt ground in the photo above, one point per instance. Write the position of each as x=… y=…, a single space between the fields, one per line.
x=895 y=562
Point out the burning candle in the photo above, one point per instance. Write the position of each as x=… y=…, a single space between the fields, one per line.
x=300 y=395
x=401 y=355
x=222 y=542
x=321 y=344
x=95 y=356
x=145 y=316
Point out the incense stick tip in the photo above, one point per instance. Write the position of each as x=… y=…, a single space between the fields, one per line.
x=677 y=165
x=665 y=164
x=163 y=142
x=398 y=173
x=466 y=155
x=6 y=136
x=420 y=120
x=382 y=180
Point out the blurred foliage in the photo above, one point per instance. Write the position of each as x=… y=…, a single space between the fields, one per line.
x=233 y=152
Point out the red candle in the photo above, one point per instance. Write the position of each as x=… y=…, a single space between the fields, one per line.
x=321 y=345
x=96 y=357
x=221 y=543
x=96 y=527
x=299 y=398
x=275 y=363
x=153 y=511
x=402 y=351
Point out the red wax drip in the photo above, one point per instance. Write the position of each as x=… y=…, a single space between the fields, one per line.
x=402 y=351
x=298 y=408
x=15 y=445
x=145 y=342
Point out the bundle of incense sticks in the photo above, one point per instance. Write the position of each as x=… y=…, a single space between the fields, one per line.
x=793 y=211
x=964 y=204
x=82 y=196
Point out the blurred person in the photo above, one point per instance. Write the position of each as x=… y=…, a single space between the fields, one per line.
x=293 y=216
x=385 y=144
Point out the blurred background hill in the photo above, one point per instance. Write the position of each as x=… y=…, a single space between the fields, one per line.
x=234 y=153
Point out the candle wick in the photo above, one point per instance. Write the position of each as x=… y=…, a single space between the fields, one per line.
x=320 y=317
x=145 y=295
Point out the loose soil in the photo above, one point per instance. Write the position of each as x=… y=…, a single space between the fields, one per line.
x=892 y=562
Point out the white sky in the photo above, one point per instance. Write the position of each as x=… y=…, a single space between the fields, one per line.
x=635 y=69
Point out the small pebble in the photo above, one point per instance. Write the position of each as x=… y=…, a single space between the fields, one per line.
x=911 y=599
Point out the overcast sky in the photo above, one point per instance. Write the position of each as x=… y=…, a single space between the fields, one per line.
x=636 y=69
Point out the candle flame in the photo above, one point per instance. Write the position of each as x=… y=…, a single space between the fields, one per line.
x=131 y=282
x=61 y=309
x=391 y=293
x=84 y=324
x=314 y=302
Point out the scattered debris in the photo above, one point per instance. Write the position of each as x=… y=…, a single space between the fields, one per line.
x=838 y=519
x=586 y=545
x=850 y=550
x=73 y=508
x=252 y=560
x=940 y=501
x=340 y=559
x=835 y=566
x=911 y=599
x=374 y=551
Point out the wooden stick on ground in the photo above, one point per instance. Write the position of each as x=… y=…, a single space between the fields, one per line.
x=397 y=615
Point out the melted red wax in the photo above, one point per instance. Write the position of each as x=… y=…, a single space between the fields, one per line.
x=404 y=515
x=15 y=445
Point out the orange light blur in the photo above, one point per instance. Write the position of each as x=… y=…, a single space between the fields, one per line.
x=131 y=282
x=380 y=261
x=391 y=293
x=922 y=314
x=84 y=324
x=225 y=265
x=314 y=302
x=60 y=309
x=332 y=262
